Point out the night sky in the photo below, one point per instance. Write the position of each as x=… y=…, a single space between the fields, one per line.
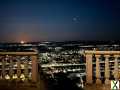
x=59 y=20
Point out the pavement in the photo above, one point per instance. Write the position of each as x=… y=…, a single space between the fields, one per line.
x=97 y=87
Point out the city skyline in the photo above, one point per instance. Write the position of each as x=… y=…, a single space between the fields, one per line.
x=59 y=20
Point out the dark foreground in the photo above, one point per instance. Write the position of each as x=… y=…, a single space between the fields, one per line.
x=45 y=84
x=42 y=86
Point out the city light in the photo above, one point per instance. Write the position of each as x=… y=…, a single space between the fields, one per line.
x=22 y=42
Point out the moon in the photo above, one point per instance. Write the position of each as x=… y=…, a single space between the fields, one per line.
x=76 y=19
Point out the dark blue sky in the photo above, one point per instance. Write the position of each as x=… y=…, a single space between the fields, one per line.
x=58 y=20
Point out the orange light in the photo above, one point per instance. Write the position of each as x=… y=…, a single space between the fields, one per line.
x=22 y=42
